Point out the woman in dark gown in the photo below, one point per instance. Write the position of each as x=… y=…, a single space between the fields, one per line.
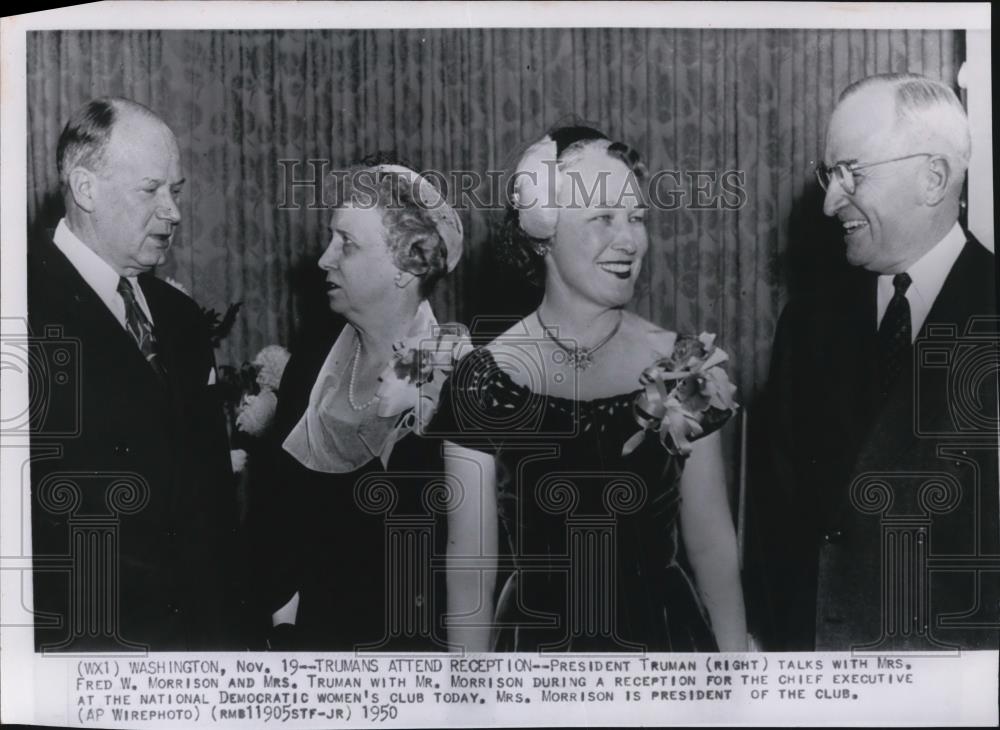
x=351 y=523
x=608 y=521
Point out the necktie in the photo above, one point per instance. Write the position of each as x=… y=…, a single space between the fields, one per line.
x=140 y=327
x=895 y=335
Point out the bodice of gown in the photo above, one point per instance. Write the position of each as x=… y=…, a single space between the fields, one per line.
x=590 y=533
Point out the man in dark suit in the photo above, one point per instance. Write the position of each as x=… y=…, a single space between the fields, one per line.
x=133 y=512
x=874 y=525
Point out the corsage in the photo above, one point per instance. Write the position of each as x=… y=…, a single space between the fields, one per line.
x=685 y=395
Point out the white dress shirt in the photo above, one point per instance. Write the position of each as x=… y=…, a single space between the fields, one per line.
x=927 y=275
x=98 y=273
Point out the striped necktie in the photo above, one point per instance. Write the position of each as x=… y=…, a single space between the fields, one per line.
x=140 y=328
x=895 y=335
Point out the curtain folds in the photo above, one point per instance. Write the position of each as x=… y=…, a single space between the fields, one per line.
x=695 y=103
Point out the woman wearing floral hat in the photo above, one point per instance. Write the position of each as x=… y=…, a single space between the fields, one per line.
x=351 y=462
x=590 y=433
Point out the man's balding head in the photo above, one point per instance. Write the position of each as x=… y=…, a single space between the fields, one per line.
x=927 y=112
x=119 y=167
x=84 y=139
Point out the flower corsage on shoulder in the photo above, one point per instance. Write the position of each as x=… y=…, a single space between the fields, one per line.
x=685 y=395
x=411 y=384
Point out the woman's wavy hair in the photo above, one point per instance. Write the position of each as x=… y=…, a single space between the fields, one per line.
x=513 y=245
x=412 y=235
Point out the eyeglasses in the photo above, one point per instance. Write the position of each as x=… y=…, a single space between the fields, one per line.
x=844 y=172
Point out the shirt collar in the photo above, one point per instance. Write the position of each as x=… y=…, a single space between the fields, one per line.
x=931 y=269
x=95 y=271
x=927 y=277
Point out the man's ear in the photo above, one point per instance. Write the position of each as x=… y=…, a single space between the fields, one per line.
x=937 y=179
x=83 y=188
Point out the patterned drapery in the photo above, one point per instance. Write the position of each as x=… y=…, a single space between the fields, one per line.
x=698 y=102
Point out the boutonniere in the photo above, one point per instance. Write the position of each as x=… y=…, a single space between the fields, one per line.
x=685 y=395
x=410 y=385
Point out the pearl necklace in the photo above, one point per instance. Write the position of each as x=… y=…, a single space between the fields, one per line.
x=354 y=376
x=580 y=358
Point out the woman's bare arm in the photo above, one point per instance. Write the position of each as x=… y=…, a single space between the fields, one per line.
x=472 y=547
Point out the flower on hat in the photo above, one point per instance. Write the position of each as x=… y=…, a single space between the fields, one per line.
x=537 y=183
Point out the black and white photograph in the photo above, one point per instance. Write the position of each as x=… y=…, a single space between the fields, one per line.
x=437 y=364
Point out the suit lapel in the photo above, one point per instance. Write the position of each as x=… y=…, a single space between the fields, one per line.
x=966 y=292
x=106 y=341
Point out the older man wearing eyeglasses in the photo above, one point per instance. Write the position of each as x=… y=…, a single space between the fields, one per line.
x=874 y=522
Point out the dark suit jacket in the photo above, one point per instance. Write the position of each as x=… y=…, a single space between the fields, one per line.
x=875 y=523
x=132 y=490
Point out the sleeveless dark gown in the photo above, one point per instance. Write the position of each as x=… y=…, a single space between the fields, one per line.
x=594 y=559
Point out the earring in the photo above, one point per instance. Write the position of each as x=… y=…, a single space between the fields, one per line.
x=398 y=277
x=542 y=249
